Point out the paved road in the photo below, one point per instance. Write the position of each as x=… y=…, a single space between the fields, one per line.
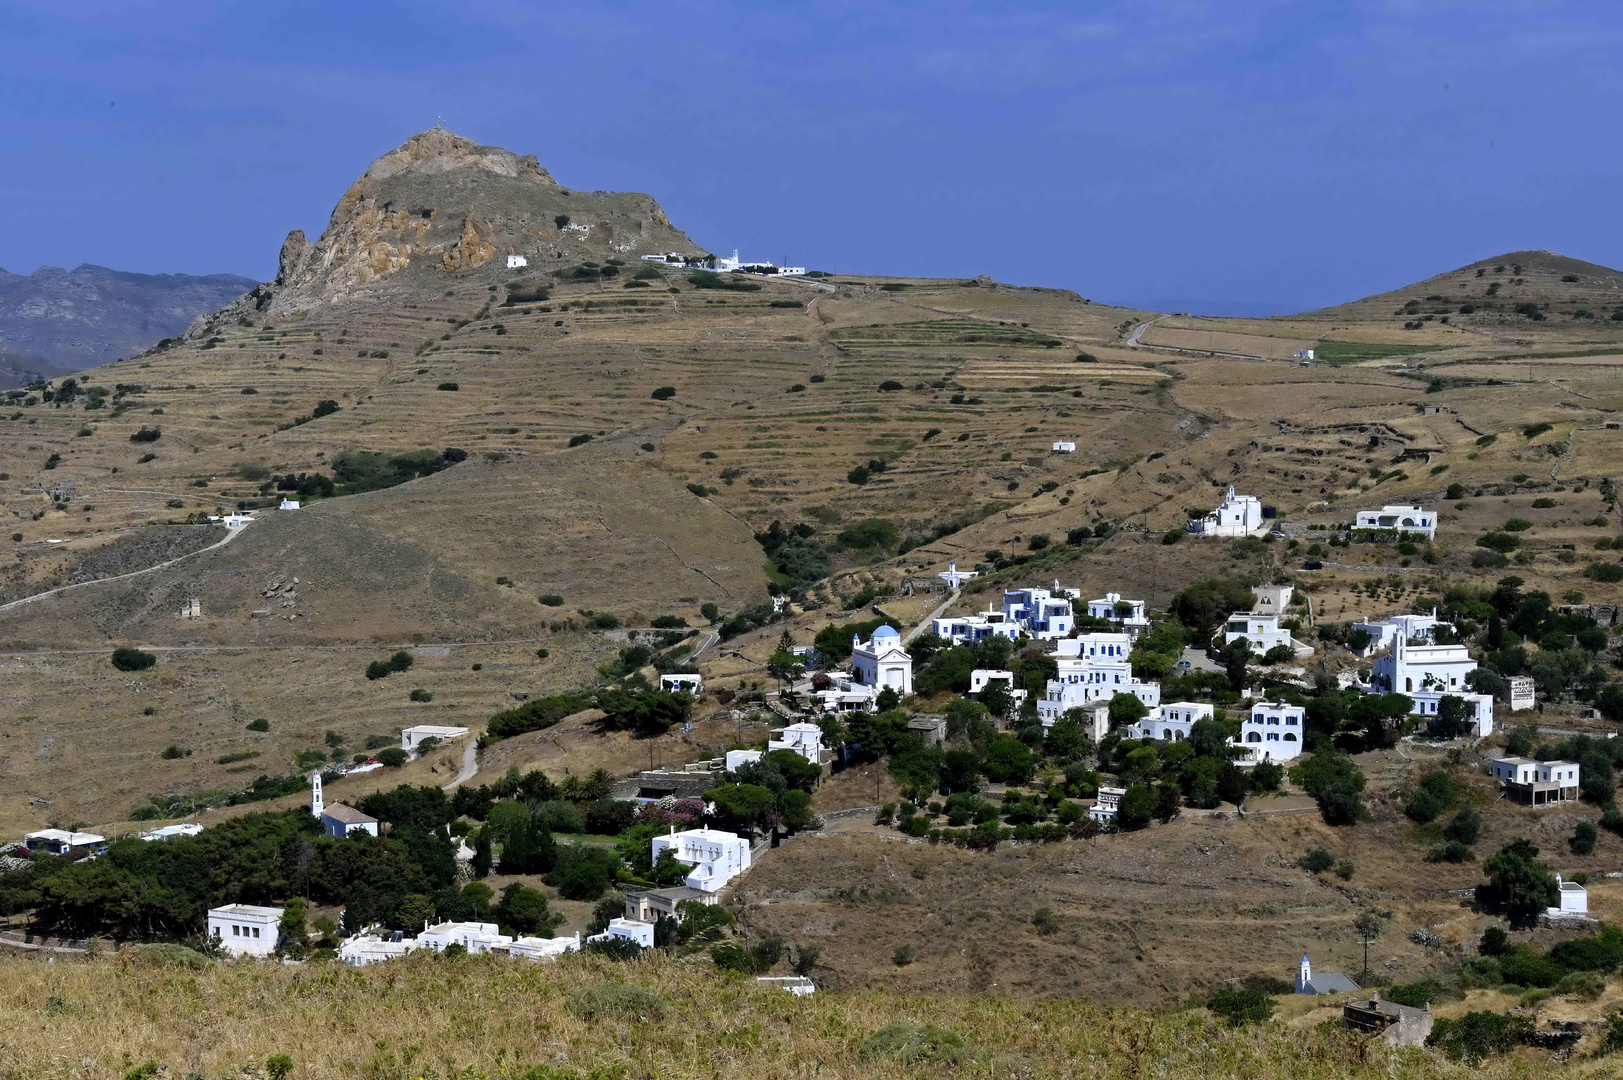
x=1132 y=339
x=928 y=619
x=470 y=765
x=230 y=535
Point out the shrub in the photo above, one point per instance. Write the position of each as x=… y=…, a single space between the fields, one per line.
x=551 y=599
x=448 y=386
x=1238 y=1008
x=127 y=659
x=421 y=695
x=664 y=393
x=392 y=757
x=580 y=440
x=891 y=385
x=1476 y=1035
x=1316 y=861
x=1583 y=838
x=146 y=434
x=259 y=725
x=904 y=955
x=1610 y=573
x=618 y=1001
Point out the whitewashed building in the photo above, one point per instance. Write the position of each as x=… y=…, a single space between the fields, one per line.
x=1239 y=515
x=476 y=937
x=540 y=948
x=1130 y=615
x=411 y=738
x=288 y=504
x=969 y=629
x=1572 y=899
x=1169 y=723
x=687 y=682
x=1107 y=804
x=1411 y=519
x=1427 y=702
x=374 y=946
x=1092 y=668
x=955 y=577
x=804 y=739
x=172 y=832
x=981 y=678
x=1418 y=628
x=1537 y=783
x=716 y=856
x=517 y=262
x=735 y=758
x=1263 y=632
x=1523 y=692
x=245 y=929
x=634 y=930
x=1407 y=668
x=1273 y=731
x=882 y=662
x=1045 y=614
x=1064 y=446
x=61 y=841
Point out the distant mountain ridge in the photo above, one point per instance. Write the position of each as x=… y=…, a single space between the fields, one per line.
x=56 y=321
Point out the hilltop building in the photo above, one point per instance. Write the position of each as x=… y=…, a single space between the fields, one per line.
x=411 y=738
x=1169 y=723
x=725 y=264
x=61 y=841
x=1092 y=668
x=689 y=682
x=804 y=739
x=1522 y=691
x=1064 y=446
x=1426 y=703
x=1107 y=805
x=517 y=262
x=1239 y=515
x=1398 y=519
x=955 y=577
x=1573 y=899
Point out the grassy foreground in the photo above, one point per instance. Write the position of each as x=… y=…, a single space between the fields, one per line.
x=438 y=1018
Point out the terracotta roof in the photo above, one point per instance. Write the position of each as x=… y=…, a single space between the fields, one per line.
x=347 y=815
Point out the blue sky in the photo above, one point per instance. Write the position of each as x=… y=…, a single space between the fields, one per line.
x=1264 y=152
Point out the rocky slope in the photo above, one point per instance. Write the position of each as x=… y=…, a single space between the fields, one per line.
x=439 y=204
x=56 y=321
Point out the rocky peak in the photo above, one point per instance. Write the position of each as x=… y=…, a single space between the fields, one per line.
x=439 y=204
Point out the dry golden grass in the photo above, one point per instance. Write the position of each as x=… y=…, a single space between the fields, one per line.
x=433 y=1017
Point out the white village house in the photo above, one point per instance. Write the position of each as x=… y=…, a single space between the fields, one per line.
x=1092 y=668
x=1107 y=804
x=686 y=682
x=1407 y=668
x=1239 y=515
x=411 y=738
x=1398 y=519
x=981 y=678
x=1426 y=703
x=1128 y=614
x=1537 y=783
x=475 y=937
x=1572 y=899
x=634 y=930
x=1416 y=628
x=1169 y=723
x=804 y=739
x=61 y=841
x=955 y=577
x=716 y=856
x=1273 y=731
x=245 y=929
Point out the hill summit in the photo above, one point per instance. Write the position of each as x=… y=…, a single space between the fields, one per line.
x=441 y=203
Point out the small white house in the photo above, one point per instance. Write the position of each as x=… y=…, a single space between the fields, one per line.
x=981 y=678
x=411 y=738
x=1044 y=614
x=1239 y=515
x=1107 y=805
x=1523 y=692
x=517 y=262
x=1537 y=783
x=61 y=841
x=735 y=758
x=540 y=948
x=955 y=577
x=716 y=856
x=882 y=662
x=1064 y=447
x=1410 y=519
x=1169 y=723
x=1574 y=899
x=804 y=739
x=374 y=947
x=628 y=930
x=233 y=521
x=1426 y=703
x=1273 y=731
x=289 y=504
x=476 y=937
x=687 y=682
x=1382 y=633
x=338 y=820
x=1303 y=354
x=969 y=629
x=1128 y=614
x=1263 y=632
x=245 y=929
x=171 y=832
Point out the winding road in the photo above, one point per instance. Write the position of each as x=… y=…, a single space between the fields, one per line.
x=1133 y=338
x=470 y=765
x=230 y=535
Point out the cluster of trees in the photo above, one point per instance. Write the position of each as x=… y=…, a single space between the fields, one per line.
x=368 y=470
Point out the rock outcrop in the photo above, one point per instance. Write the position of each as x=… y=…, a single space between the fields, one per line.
x=442 y=204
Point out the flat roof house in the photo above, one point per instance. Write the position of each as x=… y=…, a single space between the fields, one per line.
x=716 y=856
x=245 y=929
x=61 y=841
x=1536 y=783
x=1272 y=731
x=1398 y=519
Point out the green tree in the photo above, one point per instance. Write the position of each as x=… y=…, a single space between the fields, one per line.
x=524 y=910
x=1136 y=808
x=293 y=936
x=1520 y=882
x=413 y=913
x=1126 y=709
x=1009 y=761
